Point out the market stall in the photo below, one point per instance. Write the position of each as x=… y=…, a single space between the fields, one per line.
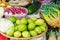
x=30 y=19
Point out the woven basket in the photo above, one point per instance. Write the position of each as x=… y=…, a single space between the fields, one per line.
x=19 y=3
x=41 y=36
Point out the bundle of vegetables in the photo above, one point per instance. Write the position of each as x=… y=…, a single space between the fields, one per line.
x=51 y=14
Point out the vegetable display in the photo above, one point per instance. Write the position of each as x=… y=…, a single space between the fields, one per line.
x=26 y=27
x=30 y=19
x=15 y=11
x=51 y=14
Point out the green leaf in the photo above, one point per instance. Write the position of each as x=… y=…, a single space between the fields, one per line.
x=51 y=33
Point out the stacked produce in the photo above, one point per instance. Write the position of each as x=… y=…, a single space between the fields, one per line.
x=15 y=11
x=25 y=27
x=51 y=14
x=16 y=23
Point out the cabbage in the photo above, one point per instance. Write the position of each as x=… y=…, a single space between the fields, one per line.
x=5 y=24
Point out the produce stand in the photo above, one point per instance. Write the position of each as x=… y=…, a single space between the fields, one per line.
x=29 y=19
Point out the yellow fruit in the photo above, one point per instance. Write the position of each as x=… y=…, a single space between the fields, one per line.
x=52 y=38
x=58 y=38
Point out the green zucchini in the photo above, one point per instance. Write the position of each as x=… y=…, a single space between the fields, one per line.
x=33 y=7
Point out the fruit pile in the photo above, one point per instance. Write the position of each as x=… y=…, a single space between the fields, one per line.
x=14 y=23
x=15 y=11
x=26 y=27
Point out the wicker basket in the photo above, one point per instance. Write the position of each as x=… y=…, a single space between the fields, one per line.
x=20 y=3
x=41 y=36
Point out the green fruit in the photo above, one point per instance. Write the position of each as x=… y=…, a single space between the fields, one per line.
x=44 y=25
x=30 y=21
x=15 y=24
x=33 y=33
x=38 y=30
x=23 y=21
x=33 y=18
x=13 y=19
x=52 y=33
x=22 y=27
x=17 y=34
x=10 y=31
x=43 y=28
x=26 y=34
x=31 y=26
x=16 y=28
x=39 y=22
x=18 y=22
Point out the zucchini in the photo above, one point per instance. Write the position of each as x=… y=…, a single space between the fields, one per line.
x=33 y=7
